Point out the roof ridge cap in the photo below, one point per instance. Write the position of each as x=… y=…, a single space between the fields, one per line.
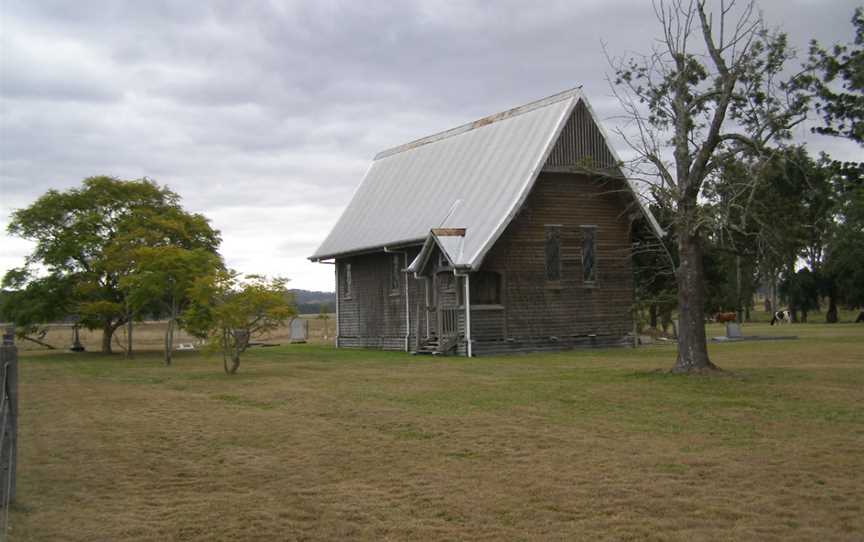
x=485 y=121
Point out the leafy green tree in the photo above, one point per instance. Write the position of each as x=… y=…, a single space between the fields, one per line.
x=230 y=311
x=654 y=262
x=802 y=290
x=837 y=81
x=31 y=302
x=845 y=252
x=163 y=276
x=88 y=236
x=842 y=66
x=712 y=89
x=765 y=227
x=845 y=268
x=729 y=278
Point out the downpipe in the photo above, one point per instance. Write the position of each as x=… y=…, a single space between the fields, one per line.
x=469 y=349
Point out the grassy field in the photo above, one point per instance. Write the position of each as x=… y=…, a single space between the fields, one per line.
x=310 y=443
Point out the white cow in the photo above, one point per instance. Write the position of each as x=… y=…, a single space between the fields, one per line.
x=782 y=317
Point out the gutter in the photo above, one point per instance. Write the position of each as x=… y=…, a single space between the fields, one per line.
x=404 y=243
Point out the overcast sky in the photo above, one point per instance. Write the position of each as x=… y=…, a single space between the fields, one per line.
x=264 y=115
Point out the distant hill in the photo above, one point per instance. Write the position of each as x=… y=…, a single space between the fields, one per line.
x=310 y=302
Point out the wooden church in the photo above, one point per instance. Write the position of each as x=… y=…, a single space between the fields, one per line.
x=511 y=233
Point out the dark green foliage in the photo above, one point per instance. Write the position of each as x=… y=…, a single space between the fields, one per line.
x=842 y=108
x=720 y=292
x=845 y=266
x=86 y=238
x=802 y=290
x=31 y=302
x=844 y=261
x=654 y=262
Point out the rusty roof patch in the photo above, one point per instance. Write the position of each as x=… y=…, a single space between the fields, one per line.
x=573 y=93
x=449 y=232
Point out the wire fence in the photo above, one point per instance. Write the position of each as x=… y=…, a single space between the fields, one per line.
x=8 y=426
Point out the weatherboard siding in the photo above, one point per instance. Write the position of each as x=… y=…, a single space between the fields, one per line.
x=534 y=314
x=373 y=315
x=540 y=314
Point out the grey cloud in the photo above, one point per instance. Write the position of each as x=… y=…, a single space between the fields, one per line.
x=264 y=115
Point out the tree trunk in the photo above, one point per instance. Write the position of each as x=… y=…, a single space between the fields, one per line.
x=169 y=333
x=235 y=362
x=831 y=315
x=129 y=338
x=773 y=291
x=652 y=315
x=739 y=310
x=169 y=341
x=692 y=345
x=37 y=341
x=107 y=335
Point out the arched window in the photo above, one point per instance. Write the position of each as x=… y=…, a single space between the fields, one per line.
x=589 y=254
x=553 y=252
x=347 y=283
x=395 y=274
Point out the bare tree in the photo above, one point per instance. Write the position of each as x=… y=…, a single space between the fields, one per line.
x=710 y=89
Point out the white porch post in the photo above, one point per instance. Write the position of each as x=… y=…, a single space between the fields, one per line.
x=468 y=313
x=407 y=307
x=336 y=269
x=427 y=283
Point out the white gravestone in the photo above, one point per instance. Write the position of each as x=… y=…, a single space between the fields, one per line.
x=299 y=330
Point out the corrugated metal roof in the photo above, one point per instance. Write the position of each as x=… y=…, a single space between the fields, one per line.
x=474 y=177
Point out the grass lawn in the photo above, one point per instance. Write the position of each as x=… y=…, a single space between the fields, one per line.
x=311 y=443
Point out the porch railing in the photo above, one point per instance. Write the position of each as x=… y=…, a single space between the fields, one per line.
x=448 y=321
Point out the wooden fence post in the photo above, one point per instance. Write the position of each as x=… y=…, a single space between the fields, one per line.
x=8 y=417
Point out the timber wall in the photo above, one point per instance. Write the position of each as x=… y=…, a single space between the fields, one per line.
x=534 y=314
x=538 y=314
x=373 y=315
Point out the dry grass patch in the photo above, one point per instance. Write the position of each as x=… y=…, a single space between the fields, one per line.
x=150 y=335
x=308 y=443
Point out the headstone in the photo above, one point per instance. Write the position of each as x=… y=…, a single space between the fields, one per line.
x=733 y=330
x=299 y=330
x=675 y=328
